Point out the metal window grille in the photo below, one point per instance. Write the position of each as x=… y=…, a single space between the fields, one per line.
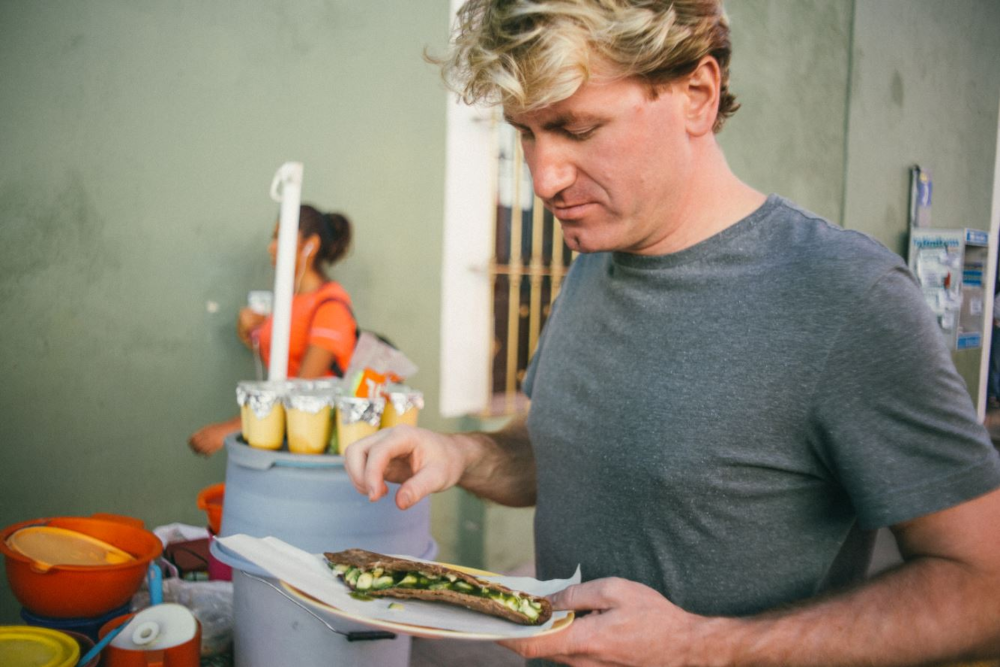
x=529 y=262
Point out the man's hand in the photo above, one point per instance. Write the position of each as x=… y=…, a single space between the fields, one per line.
x=629 y=624
x=422 y=461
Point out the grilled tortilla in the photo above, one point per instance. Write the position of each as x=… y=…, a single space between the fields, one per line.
x=384 y=576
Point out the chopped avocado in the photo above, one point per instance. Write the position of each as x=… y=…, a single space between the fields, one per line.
x=410 y=580
x=536 y=605
x=512 y=603
x=423 y=582
x=451 y=577
x=351 y=576
x=439 y=586
x=528 y=610
x=428 y=575
x=365 y=581
x=462 y=587
x=382 y=582
x=340 y=568
x=377 y=572
x=395 y=606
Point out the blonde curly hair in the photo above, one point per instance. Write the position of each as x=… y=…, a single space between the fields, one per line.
x=527 y=54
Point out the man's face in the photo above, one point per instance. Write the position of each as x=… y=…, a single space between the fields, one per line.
x=610 y=163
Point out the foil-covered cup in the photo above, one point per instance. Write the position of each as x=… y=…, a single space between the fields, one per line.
x=403 y=405
x=357 y=418
x=262 y=415
x=309 y=413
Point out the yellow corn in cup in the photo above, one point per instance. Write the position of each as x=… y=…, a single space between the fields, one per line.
x=402 y=406
x=309 y=413
x=262 y=415
x=357 y=418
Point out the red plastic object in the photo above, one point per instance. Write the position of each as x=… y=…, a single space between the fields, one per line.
x=187 y=654
x=210 y=500
x=74 y=591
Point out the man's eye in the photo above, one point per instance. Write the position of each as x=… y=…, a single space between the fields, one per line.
x=579 y=134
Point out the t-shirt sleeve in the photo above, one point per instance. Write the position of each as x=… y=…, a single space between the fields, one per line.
x=333 y=329
x=893 y=419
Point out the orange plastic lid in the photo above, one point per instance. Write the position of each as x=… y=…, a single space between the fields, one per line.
x=23 y=646
x=49 y=546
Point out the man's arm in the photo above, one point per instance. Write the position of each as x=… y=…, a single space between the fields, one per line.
x=497 y=466
x=942 y=604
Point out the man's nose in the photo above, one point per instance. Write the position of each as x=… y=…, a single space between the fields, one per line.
x=551 y=170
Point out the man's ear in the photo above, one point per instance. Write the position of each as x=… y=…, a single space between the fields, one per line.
x=701 y=89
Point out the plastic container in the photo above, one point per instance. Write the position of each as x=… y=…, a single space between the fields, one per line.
x=309 y=502
x=357 y=418
x=23 y=646
x=86 y=627
x=217 y=570
x=81 y=591
x=262 y=416
x=185 y=654
x=402 y=406
x=210 y=501
x=85 y=643
x=309 y=418
x=271 y=629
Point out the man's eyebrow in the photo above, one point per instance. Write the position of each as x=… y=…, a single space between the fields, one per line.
x=561 y=121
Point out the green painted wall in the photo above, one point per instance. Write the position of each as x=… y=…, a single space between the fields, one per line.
x=925 y=89
x=139 y=142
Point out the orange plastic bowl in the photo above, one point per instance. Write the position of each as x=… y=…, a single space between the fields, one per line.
x=210 y=500
x=75 y=591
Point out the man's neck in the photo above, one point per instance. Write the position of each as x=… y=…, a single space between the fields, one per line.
x=713 y=200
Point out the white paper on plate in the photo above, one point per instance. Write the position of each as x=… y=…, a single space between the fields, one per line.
x=310 y=574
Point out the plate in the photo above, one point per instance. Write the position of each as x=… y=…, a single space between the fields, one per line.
x=418 y=630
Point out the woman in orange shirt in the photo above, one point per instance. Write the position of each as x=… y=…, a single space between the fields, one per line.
x=323 y=329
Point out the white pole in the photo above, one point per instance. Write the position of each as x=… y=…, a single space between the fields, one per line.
x=287 y=189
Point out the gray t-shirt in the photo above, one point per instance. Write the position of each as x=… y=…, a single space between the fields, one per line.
x=728 y=424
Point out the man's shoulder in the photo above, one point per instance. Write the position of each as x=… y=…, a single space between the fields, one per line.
x=817 y=247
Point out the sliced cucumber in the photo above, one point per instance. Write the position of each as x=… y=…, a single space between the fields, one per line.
x=383 y=582
x=365 y=581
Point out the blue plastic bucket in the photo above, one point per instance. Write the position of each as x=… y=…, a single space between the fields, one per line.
x=308 y=501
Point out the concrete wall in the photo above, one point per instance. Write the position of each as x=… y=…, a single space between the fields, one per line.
x=139 y=141
x=925 y=89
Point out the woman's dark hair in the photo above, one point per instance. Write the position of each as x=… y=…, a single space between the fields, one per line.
x=333 y=230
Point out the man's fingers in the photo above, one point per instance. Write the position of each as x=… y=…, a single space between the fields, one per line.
x=560 y=646
x=425 y=482
x=597 y=595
